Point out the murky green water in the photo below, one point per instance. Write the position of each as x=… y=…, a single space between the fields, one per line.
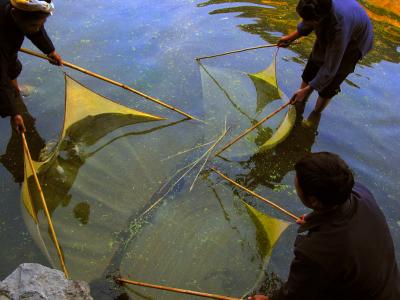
x=151 y=45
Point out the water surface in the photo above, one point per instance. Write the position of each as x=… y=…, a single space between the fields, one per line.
x=151 y=45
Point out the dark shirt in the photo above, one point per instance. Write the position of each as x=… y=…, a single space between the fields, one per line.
x=345 y=253
x=11 y=39
x=351 y=27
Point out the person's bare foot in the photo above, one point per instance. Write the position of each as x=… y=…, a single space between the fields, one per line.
x=312 y=120
x=26 y=90
x=14 y=83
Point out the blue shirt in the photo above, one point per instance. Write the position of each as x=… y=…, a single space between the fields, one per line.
x=351 y=27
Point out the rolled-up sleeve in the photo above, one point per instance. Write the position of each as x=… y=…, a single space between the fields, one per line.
x=333 y=57
x=42 y=40
x=304 y=29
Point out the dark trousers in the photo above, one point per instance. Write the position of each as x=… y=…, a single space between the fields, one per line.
x=14 y=69
x=347 y=65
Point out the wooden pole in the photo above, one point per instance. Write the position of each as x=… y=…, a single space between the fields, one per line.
x=242 y=50
x=75 y=67
x=45 y=209
x=176 y=290
x=298 y=219
x=247 y=131
x=237 y=51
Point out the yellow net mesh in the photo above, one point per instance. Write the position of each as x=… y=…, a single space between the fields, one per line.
x=88 y=117
x=203 y=241
x=244 y=99
x=96 y=185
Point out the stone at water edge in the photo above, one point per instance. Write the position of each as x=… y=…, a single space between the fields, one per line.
x=37 y=282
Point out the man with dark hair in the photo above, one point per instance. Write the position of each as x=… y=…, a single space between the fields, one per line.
x=20 y=18
x=344 y=35
x=343 y=249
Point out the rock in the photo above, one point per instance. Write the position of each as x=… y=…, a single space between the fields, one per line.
x=36 y=282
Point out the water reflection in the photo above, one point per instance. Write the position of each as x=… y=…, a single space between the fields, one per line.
x=59 y=173
x=243 y=99
x=270 y=167
x=272 y=19
x=82 y=212
x=199 y=227
x=88 y=181
x=12 y=159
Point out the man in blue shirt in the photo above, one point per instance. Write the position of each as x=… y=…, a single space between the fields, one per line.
x=344 y=35
x=343 y=249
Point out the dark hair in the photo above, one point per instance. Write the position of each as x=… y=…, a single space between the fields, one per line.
x=29 y=15
x=325 y=176
x=314 y=10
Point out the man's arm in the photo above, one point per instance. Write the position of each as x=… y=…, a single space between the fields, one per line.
x=302 y=30
x=333 y=57
x=7 y=91
x=8 y=95
x=306 y=280
x=42 y=40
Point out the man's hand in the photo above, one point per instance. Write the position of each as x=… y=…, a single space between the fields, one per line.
x=301 y=220
x=285 y=41
x=55 y=58
x=18 y=123
x=258 y=297
x=301 y=94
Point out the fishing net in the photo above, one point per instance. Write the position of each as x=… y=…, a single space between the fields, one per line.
x=207 y=240
x=245 y=98
x=85 y=179
x=111 y=187
x=210 y=239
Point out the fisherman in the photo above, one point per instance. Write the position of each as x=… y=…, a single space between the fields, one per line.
x=344 y=35
x=343 y=249
x=20 y=18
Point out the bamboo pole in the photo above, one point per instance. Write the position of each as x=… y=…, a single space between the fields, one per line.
x=45 y=209
x=242 y=50
x=297 y=219
x=237 y=51
x=176 y=290
x=90 y=73
x=247 y=131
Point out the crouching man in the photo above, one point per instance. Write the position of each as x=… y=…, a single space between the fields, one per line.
x=20 y=18
x=344 y=249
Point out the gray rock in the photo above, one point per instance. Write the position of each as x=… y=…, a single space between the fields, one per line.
x=36 y=282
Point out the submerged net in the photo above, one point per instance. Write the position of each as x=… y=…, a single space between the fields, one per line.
x=74 y=180
x=245 y=99
x=207 y=240
x=88 y=118
x=101 y=182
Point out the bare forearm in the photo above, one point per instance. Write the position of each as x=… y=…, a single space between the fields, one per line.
x=293 y=36
x=287 y=39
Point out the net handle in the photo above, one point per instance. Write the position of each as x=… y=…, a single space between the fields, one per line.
x=121 y=85
x=44 y=205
